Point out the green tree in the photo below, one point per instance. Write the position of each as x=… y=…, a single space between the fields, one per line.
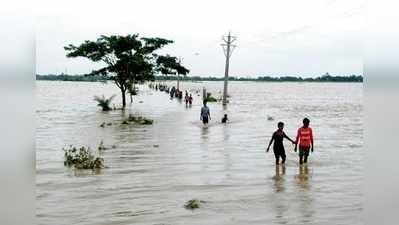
x=128 y=59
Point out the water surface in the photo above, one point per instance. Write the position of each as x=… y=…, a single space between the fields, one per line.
x=155 y=169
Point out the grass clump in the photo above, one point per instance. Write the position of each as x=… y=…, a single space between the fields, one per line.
x=104 y=102
x=81 y=158
x=193 y=204
x=138 y=120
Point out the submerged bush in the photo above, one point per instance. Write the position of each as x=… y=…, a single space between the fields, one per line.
x=104 y=102
x=193 y=204
x=211 y=99
x=138 y=120
x=81 y=158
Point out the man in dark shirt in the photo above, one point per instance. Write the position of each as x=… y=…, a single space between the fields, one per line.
x=278 y=147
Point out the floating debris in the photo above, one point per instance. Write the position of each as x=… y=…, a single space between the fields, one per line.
x=155 y=146
x=109 y=124
x=270 y=118
x=102 y=125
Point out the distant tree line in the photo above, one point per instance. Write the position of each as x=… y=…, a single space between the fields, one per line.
x=324 y=78
x=65 y=77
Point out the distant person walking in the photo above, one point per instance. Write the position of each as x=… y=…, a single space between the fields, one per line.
x=225 y=119
x=186 y=98
x=305 y=140
x=205 y=114
x=190 y=100
x=278 y=147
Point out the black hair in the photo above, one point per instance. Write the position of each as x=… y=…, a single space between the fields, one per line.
x=306 y=121
x=280 y=124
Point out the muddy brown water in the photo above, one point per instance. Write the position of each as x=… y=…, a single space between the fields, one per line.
x=155 y=169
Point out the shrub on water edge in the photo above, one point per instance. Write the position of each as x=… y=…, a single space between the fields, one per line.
x=104 y=102
x=81 y=158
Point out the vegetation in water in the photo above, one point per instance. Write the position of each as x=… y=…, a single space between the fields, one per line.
x=138 y=120
x=210 y=98
x=101 y=146
x=81 y=158
x=104 y=102
x=193 y=204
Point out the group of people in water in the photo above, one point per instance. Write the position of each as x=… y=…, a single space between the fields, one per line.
x=205 y=115
x=174 y=93
x=304 y=137
x=304 y=140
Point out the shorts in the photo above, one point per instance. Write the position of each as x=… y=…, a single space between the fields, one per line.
x=205 y=119
x=304 y=150
x=279 y=152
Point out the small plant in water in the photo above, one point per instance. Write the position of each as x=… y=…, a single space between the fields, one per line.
x=82 y=158
x=104 y=102
x=193 y=204
x=139 y=120
x=102 y=146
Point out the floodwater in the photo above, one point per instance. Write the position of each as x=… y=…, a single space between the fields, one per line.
x=155 y=169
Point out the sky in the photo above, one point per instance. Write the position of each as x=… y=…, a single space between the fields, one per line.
x=274 y=38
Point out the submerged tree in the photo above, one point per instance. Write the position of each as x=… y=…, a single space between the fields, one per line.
x=128 y=59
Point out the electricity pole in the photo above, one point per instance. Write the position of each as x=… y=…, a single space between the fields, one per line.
x=227 y=50
x=178 y=75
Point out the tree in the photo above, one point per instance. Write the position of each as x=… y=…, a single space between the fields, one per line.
x=170 y=65
x=128 y=59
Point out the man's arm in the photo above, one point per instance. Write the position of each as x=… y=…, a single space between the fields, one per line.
x=270 y=143
x=284 y=135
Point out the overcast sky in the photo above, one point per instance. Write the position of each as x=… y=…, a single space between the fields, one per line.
x=284 y=37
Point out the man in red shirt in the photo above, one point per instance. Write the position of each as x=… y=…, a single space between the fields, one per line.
x=305 y=140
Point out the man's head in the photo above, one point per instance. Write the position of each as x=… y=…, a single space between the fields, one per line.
x=306 y=122
x=225 y=115
x=280 y=125
x=204 y=102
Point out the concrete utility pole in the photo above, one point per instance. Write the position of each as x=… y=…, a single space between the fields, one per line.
x=178 y=75
x=227 y=50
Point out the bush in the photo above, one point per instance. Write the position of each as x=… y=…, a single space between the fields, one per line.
x=138 y=120
x=193 y=204
x=82 y=158
x=104 y=102
x=211 y=99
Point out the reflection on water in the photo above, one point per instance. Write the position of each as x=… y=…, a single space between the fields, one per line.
x=155 y=169
x=279 y=178
x=303 y=178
